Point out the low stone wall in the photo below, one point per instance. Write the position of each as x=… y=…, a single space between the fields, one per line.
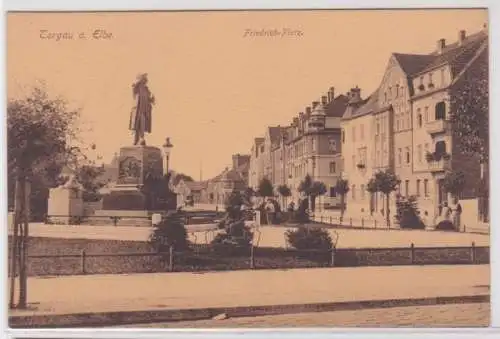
x=84 y=256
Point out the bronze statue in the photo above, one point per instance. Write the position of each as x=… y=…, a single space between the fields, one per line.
x=140 y=117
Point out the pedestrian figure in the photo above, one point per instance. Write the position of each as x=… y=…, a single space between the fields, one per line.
x=456 y=213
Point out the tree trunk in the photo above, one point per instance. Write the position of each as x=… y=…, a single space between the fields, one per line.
x=23 y=272
x=15 y=242
x=342 y=207
x=387 y=212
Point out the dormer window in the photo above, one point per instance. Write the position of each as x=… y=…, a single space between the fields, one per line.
x=431 y=84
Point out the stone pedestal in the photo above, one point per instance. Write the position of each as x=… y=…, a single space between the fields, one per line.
x=65 y=205
x=136 y=165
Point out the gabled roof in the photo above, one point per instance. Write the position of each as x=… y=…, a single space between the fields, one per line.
x=456 y=54
x=413 y=63
x=368 y=105
x=337 y=106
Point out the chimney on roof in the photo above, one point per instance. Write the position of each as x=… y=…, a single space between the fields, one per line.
x=324 y=99
x=314 y=104
x=308 y=110
x=355 y=95
x=461 y=37
x=441 y=44
x=331 y=94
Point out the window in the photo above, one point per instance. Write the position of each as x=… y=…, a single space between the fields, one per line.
x=443 y=80
x=408 y=121
x=407 y=187
x=354 y=134
x=333 y=194
x=421 y=80
x=333 y=167
x=419 y=153
x=390 y=93
x=426 y=188
x=418 y=187
x=399 y=188
x=397 y=123
x=426 y=109
x=378 y=160
x=353 y=190
x=385 y=96
x=400 y=154
x=378 y=128
x=430 y=78
x=362 y=192
x=440 y=147
x=419 y=119
x=332 y=145
x=397 y=91
x=313 y=145
x=407 y=155
x=343 y=136
x=440 y=111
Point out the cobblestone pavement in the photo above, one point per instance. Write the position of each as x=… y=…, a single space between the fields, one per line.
x=269 y=236
x=457 y=315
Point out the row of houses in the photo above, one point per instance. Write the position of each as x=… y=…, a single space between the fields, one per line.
x=404 y=125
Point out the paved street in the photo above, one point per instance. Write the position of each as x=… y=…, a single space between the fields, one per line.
x=102 y=293
x=455 y=315
x=269 y=236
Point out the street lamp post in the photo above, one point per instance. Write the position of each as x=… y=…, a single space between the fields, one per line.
x=167 y=148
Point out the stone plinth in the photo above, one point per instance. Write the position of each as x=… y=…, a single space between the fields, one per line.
x=131 y=192
x=65 y=205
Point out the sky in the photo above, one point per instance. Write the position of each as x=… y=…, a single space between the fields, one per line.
x=217 y=86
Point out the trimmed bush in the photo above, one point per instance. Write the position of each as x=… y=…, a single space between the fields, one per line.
x=408 y=214
x=445 y=225
x=305 y=238
x=170 y=232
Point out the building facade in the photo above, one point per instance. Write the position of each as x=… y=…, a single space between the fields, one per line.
x=405 y=126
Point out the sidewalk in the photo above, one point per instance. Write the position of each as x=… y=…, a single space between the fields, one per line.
x=180 y=291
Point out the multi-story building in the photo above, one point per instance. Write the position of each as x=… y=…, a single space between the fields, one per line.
x=256 y=166
x=404 y=125
x=311 y=145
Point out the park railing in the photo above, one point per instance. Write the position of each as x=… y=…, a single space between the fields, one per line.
x=206 y=257
x=190 y=218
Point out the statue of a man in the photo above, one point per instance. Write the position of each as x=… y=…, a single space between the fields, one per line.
x=140 y=117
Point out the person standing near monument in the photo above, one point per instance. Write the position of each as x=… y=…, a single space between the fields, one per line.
x=140 y=117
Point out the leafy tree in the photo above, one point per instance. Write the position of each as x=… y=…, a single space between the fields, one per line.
x=38 y=130
x=89 y=176
x=469 y=111
x=454 y=182
x=285 y=192
x=312 y=189
x=386 y=182
x=342 y=188
x=181 y=176
x=265 y=188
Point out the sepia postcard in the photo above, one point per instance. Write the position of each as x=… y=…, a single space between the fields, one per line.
x=248 y=169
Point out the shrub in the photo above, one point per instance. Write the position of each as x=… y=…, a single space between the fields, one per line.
x=235 y=237
x=304 y=238
x=170 y=232
x=445 y=225
x=408 y=214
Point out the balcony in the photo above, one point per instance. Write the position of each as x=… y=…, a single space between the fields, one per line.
x=437 y=126
x=439 y=165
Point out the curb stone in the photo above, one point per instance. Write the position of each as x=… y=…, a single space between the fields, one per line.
x=106 y=319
